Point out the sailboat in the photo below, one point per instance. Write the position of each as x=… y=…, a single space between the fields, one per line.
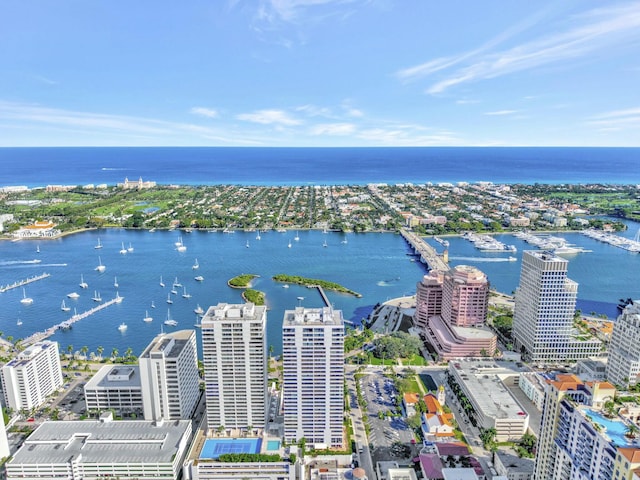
x=115 y=282
x=122 y=327
x=19 y=322
x=289 y=246
x=169 y=321
x=82 y=283
x=196 y=265
x=64 y=307
x=179 y=242
x=169 y=298
x=199 y=310
x=37 y=248
x=98 y=245
x=153 y=305
x=96 y=296
x=100 y=268
x=296 y=238
x=123 y=250
x=26 y=300
x=247 y=244
x=176 y=283
x=118 y=298
x=161 y=282
x=130 y=248
x=325 y=244
x=147 y=318
x=180 y=246
x=185 y=294
x=258 y=235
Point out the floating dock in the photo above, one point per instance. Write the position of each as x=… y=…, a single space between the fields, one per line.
x=38 y=336
x=21 y=283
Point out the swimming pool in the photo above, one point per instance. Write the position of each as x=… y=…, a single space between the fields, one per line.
x=615 y=429
x=273 y=445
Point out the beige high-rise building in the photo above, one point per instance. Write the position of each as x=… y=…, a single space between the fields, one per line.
x=623 y=364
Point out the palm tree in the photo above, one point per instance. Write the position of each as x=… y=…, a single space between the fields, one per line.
x=128 y=353
x=632 y=430
x=84 y=351
x=100 y=349
x=69 y=350
x=114 y=353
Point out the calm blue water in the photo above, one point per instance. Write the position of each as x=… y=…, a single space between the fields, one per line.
x=375 y=265
x=324 y=166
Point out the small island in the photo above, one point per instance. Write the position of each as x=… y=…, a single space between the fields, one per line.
x=314 y=282
x=254 y=296
x=241 y=281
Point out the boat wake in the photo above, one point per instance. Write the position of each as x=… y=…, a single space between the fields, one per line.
x=19 y=262
x=113 y=169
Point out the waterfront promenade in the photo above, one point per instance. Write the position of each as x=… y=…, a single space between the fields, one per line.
x=427 y=253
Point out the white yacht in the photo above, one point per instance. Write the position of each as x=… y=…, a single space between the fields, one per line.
x=161 y=282
x=296 y=238
x=64 y=307
x=185 y=294
x=258 y=235
x=96 y=296
x=196 y=265
x=147 y=318
x=73 y=295
x=199 y=310
x=98 y=245
x=82 y=283
x=118 y=298
x=122 y=327
x=198 y=278
x=123 y=251
x=169 y=298
x=130 y=248
x=19 y=322
x=176 y=283
x=26 y=300
x=289 y=246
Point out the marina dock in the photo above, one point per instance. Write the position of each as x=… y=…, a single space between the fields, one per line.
x=427 y=253
x=21 y=283
x=38 y=336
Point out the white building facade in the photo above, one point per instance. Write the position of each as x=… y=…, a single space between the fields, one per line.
x=34 y=374
x=313 y=371
x=623 y=365
x=115 y=387
x=169 y=376
x=545 y=304
x=235 y=365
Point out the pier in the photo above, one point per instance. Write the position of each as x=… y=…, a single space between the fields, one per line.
x=21 y=283
x=427 y=253
x=38 y=336
x=323 y=295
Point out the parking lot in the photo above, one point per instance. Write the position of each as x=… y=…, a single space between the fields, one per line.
x=387 y=428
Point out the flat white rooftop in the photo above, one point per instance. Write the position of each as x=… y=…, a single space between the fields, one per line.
x=115 y=442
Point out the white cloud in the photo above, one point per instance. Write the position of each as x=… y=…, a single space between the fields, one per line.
x=617 y=120
x=205 y=112
x=407 y=136
x=269 y=117
x=292 y=10
x=595 y=30
x=466 y=102
x=333 y=129
x=501 y=112
x=314 y=111
x=114 y=126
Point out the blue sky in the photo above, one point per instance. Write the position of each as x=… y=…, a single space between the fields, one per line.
x=319 y=73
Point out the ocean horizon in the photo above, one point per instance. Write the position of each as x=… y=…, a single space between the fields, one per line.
x=41 y=166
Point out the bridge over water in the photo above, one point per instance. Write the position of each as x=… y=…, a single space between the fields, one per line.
x=427 y=253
